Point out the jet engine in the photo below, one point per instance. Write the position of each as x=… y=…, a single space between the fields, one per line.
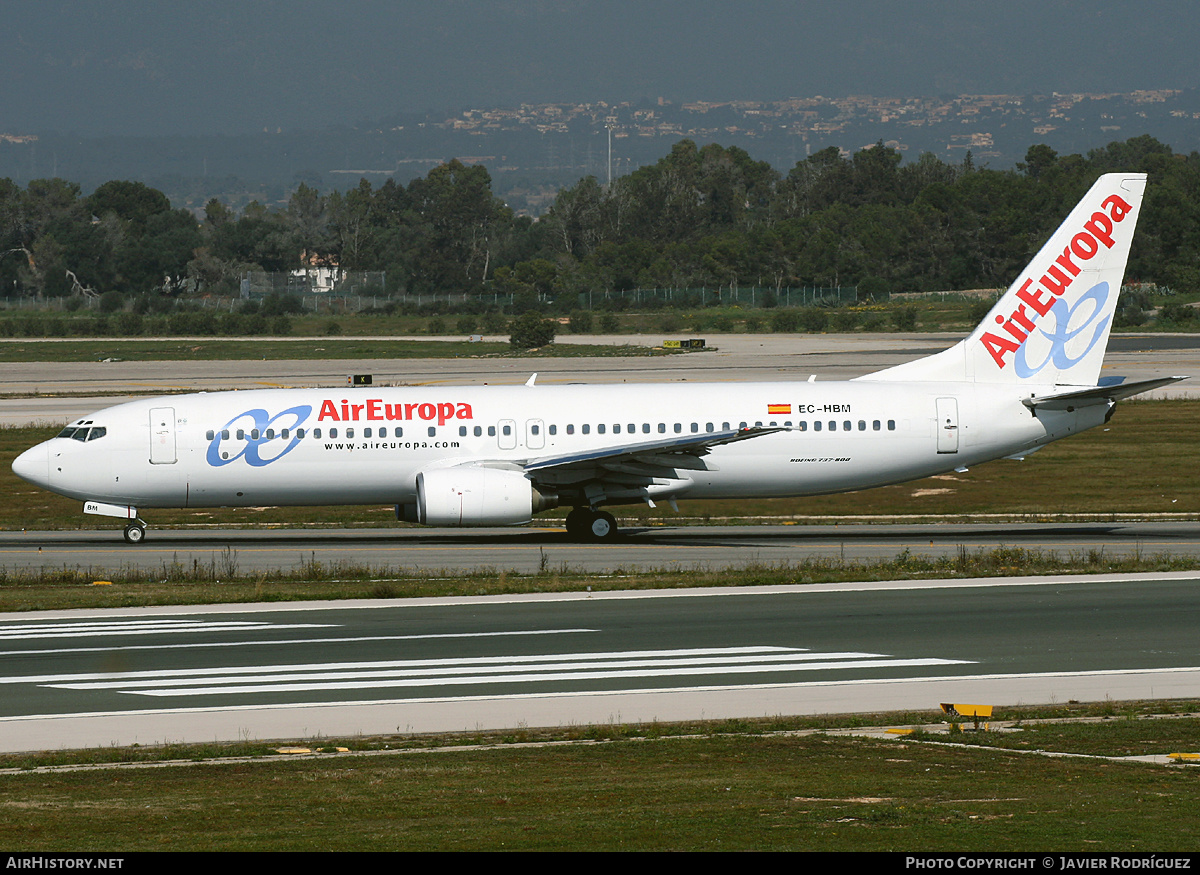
x=469 y=496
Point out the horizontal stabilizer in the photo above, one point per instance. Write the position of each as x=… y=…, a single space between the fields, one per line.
x=1099 y=395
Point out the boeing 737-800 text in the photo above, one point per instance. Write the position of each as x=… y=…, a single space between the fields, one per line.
x=485 y=456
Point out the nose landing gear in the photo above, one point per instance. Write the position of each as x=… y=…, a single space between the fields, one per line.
x=135 y=532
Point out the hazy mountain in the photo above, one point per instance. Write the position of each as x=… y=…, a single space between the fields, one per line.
x=220 y=67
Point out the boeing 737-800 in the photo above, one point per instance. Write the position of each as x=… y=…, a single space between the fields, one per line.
x=1029 y=374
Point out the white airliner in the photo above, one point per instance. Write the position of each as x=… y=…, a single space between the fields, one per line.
x=490 y=456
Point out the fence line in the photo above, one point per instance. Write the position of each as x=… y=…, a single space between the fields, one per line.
x=345 y=298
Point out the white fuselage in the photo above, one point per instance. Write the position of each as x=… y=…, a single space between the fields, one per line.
x=367 y=446
x=475 y=456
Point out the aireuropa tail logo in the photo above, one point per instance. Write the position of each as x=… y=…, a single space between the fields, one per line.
x=257 y=436
x=1034 y=303
x=1051 y=342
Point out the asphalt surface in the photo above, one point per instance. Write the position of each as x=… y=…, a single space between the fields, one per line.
x=533 y=550
x=77 y=679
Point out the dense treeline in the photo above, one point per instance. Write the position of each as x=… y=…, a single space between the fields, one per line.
x=709 y=216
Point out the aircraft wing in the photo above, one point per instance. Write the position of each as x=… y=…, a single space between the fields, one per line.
x=1099 y=395
x=661 y=458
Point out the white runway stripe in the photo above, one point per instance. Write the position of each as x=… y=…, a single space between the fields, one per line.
x=280 y=642
x=385 y=664
x=561 y=668
x=149 y=627
x=434 y=672
x=535 y=677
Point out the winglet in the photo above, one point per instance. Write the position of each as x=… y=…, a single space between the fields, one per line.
x=530 y=381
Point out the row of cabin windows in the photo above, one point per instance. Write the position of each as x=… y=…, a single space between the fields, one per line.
x=678 y=427
x=507 y=430
x=287 y=434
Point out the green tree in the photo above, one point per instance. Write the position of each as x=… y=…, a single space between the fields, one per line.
x=530 y=331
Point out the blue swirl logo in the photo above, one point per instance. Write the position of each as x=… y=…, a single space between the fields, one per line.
x=1094 y=298
x=254 y=445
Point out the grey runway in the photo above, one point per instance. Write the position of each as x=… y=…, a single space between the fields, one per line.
x=308 y=671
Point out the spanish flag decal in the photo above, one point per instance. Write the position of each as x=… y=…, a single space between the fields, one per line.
x=779 y=408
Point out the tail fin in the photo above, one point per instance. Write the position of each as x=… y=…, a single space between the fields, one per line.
x=1052 y=325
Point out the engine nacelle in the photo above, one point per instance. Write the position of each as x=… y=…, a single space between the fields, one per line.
x=475 y=497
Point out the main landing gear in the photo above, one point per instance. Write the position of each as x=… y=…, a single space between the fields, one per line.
x=586 y=524
x=135 y=532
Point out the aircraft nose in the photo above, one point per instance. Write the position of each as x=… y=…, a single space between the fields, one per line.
x=33 y=465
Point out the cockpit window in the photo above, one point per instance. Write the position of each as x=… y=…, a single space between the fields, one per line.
x=83 y=433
